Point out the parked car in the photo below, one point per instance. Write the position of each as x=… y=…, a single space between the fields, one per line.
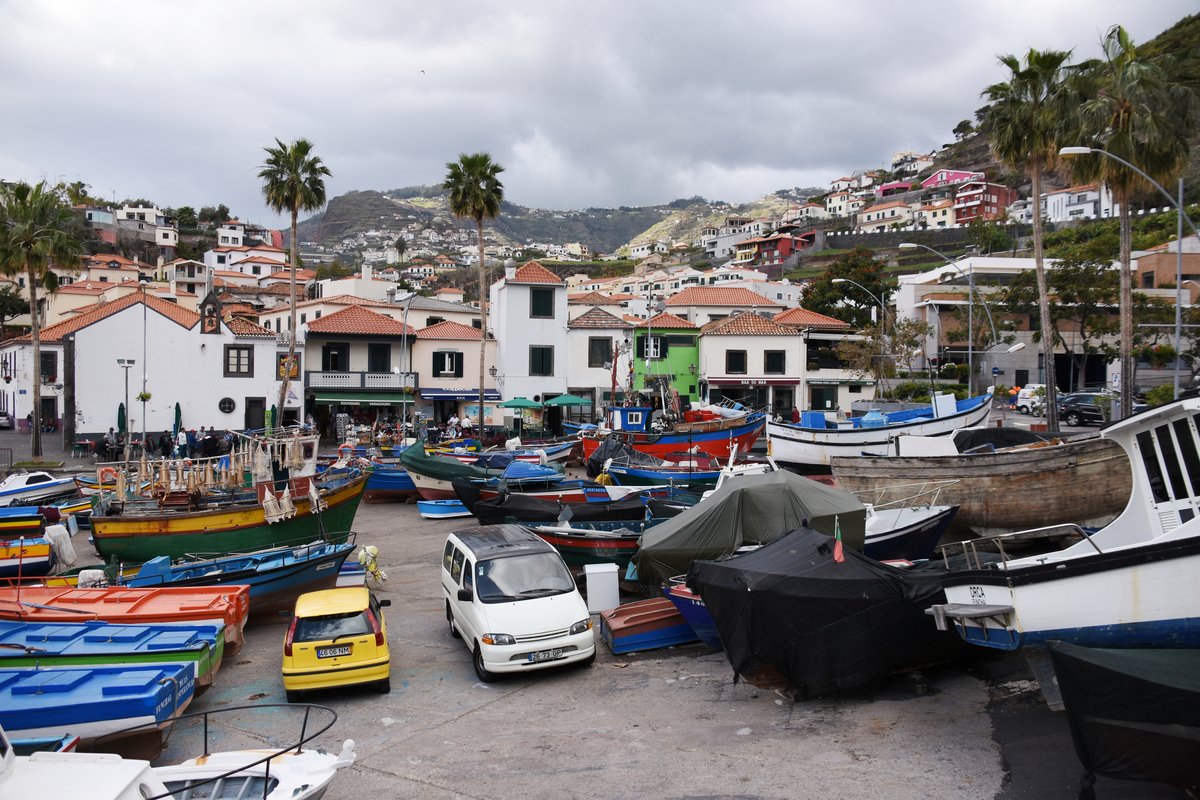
x=338 y=637
x=6 y=420
x=1089 y=408
x=514 y=603
x=1028 y=397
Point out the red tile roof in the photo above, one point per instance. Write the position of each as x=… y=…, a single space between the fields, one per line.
x=746 y=323
x=275 y=262
x=802 y=318
x=358 y=320
x=721 y=296
x=666 y=319
x=589 y=299
x=83 y=287
x=301 y=274
x=533 y=272
x=597 y=318
x=90 y=315
x=448 y=329
x=239 y=326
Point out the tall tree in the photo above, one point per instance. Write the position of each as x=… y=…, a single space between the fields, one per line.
x=476 y=192
x=845 y=301
x=293 y=181
x=1024 y=119
x=1138 y=114
x=38 y=230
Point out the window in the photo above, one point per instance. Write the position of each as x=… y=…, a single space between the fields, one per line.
x=651 y=347
x=477 y=324
x=599 y=351
x=224 y=240
x=433 y=321
x=257 y=269
x=166 y=235
x=541 y=360
x=49 y=366
x=335 y=357
x=774 y=362
x=541 y=303
x=239 y=361
x=447 y=364
x=735 y=362
x=379 y=357
x=317 y=315
x=220 y=259
x=303 y=318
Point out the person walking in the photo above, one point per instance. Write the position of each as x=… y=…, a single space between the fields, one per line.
x=166 y=444
x=181 y=442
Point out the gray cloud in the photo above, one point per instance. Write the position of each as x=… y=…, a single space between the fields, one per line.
x=585 y=104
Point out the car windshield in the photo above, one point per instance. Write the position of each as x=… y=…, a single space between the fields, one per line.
x=522 y=577
x=332 y=626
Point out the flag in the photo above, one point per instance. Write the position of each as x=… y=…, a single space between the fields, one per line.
x=838 y=555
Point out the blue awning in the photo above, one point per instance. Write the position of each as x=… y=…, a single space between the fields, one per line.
x=459 y=394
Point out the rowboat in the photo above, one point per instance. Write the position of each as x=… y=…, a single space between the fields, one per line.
x=442 y=509
x=613 y=543
x=23 y=488
x=26 y=557
x=432 y=474
x=691 y=606
x=717 y=436
x=533 y=453
x=183 y=606
x=644 y=625
x=97 y=644
x=18 y=521
x=814 y=441
x=526 y=508
x=388 y=483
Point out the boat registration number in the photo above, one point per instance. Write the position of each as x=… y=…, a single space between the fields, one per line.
x=545 y=655
x=333 y=652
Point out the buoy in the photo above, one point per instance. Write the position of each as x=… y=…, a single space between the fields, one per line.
x=107 y=474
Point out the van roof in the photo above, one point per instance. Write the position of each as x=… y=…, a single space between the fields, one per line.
x=490 y=541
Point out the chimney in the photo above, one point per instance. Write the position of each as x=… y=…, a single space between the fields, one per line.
x=510 y=269
x=366 y=272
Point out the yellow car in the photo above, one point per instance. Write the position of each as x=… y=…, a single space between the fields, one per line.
x=338 y=637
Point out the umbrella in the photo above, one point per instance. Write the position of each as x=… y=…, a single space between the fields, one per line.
x=567 y=400
x=519 y=402
x=178 y=420
x=120 y=417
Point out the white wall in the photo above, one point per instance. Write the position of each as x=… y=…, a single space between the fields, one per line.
x=580 y=375
x=512 y=326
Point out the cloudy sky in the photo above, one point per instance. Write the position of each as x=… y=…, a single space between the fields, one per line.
x=585 y=104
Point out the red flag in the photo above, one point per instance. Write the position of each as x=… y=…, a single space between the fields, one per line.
x=838 y=555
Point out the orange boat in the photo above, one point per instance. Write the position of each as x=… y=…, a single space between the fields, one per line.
x=184 y=605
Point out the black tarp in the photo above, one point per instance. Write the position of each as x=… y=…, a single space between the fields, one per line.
x=789 y=608
x=1134 y=714
x=620 y=452
x=996 y=438
x=523 y=508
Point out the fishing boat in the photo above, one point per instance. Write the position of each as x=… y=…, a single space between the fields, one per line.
x=702 y=430
x=432 y=474
x=295 y=774
x=389 y=482
x=533 y=452
x=97 y=644
x=580 y=544
x=101 y=776
x=814 y=441
x=1084 y=480
x=1131 y=583
x=179 y=606
x=18 y=521
x=89 y=486
x=45 y=744
x=77 y=508
x=442 y=509
x=93 y=702
x=644 y=625
x=26 y=556
x=25 y=488
x=691 y=606
x=525 y=508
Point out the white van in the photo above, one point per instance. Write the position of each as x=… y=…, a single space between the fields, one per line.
x=1030 y=398
x=511 y=598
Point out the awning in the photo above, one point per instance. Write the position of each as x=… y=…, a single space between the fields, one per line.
x=363 y=398
x=459 y=394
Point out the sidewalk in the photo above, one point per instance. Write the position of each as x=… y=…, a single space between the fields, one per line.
x=21 y=445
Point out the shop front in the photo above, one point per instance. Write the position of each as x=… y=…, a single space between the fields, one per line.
x=440 y=404
x=359 y=408
x=776 y=394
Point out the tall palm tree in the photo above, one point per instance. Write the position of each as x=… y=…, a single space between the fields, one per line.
x=1024 y=119
x=1135 y=112
x=38 y=230
x=476 y=192
x=294 y=181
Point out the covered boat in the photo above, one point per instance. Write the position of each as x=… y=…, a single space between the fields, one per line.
x=790 y=611
x=716 y=435
x=432 y=474
x=524 y=509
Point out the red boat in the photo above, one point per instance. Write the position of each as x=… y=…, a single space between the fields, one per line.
x=716 y=436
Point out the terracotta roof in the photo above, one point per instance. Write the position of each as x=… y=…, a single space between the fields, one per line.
x=358 y=320
x=83 y=287
x=597 y=318
x=746 y=323
x=720 y=296
x=239 y=326
x=881 y=206
x=803 y=318
x=89 y=315
x=275 y=262
x=533 y=272
x=104 y=258
x=301 y=274
x=346 y=300
x=666 y=319
x=589 y=299
x=448 y=329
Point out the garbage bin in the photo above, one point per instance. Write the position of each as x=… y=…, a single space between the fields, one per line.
x=602 y=592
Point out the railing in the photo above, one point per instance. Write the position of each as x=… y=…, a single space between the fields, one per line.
x=361 y=380
x=969 y=548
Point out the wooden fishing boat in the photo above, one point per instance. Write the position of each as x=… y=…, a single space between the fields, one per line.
x=442 y=509
x=718 y=436
x=18 y=521
x=1083 y=480
x=184 y=606
x=24 y=488
x=45 y=744
x=691 y=606
x=814 y=441
x=98 y=644
x=432 y=474
x=389 y=483
x=644 y=625
x=595 y=543
x=26 y=557
x=532 y=453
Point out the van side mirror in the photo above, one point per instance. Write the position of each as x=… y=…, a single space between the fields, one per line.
x=385 y=603
x=466 y=595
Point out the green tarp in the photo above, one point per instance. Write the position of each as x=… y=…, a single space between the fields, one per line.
x=747 y=510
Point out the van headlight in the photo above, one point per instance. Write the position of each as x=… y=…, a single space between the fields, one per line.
x=582 y=626
x=498 y=638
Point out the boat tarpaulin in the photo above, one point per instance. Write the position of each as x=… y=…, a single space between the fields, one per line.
x=789 y=610
x=1134 y=714
x=523 y=508
x=445 y=468
x=620 y=452
x=747 y=510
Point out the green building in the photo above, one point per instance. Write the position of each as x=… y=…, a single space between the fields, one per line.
x=667 y=351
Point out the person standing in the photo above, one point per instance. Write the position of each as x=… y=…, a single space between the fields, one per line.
x=795 y=415
x=166 y=444
x=181 y=442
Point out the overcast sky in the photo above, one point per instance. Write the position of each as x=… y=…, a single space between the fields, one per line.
x=585 y=104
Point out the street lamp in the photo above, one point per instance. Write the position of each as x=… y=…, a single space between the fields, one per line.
x=125 y=364
x=882 y=322
x=143 y=280
x=1083 y=151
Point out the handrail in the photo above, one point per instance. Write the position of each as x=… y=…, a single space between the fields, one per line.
x=1000 y=538
x=934 y=487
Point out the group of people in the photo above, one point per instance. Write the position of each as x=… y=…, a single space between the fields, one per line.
x=456 y=428
x=185 y=444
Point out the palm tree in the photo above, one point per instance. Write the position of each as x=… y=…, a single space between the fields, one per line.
x=37 y=231
x=476 y=192
x=1136 y=113
x=1024 y=118
x=401 y=247
x=293 y=180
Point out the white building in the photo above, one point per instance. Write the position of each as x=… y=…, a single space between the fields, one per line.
x=598 y=351
x=529 y=319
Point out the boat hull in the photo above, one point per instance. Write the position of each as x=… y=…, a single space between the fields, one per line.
x=718 y=443
x=644 y=625
x=388 y=484
x=442 y=509
x=691 y=606
x=635 y=476
x=913 y=534
x=580 y=548
x=39 y=491
x=30 y=557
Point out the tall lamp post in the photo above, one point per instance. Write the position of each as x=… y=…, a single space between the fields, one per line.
x=882 y=321
x=143 y=280
x=126 y=364
x=1083 y=151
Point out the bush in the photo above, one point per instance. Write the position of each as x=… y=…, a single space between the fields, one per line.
x=1160 y=395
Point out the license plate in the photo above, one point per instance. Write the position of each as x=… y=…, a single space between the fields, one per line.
x=333 y=652
x=545 y=655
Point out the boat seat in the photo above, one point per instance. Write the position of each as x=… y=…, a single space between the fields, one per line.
x=963 y=611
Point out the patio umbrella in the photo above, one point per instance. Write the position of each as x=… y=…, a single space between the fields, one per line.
x=519 y=402
x=178 y=420
x=567 y=400
x=120 y=417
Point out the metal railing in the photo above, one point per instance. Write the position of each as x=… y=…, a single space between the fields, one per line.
x=360 y=380
x=970 y=547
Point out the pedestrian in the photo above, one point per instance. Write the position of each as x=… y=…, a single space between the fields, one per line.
x=29 y=422
x=166 y=444
x=795 y=415
x=181 y=443
x=467 y=424
x=190 y=440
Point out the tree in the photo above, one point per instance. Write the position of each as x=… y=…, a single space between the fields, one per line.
x=845 y=301
x=476 y=192
x=963 y=129
x=1136 y=113
x=900 y=342
x=186 y=217
x=988 y=236
x=38 y=230
x=1024 y=122
x=401 y=246
x=11 y=305
x=293 y=181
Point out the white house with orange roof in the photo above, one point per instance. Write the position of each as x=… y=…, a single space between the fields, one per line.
x=599 y=352
x=843 y=204
x=445 y=358
x=891 y=215
x=700 y=305
x=842 y=184
x=938 y=214
x=365 y=284
x=1091 y=201
x=825 y=382
x=228 y=256
x=529 y=318
x=580 y=303
x=225 y=378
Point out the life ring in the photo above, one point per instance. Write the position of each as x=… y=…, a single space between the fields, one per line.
x=107 y=474
x=187 y=463
x=345 y=449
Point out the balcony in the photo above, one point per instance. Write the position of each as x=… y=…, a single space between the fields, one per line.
x=361 y=380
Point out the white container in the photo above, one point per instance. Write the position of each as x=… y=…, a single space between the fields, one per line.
x=602 y=591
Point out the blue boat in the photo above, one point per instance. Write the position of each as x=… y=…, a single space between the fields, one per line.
x=276 y=577
x=644 y=625
x=92 y=702
x=389 y=482
x=442 y=509
x=691 y=606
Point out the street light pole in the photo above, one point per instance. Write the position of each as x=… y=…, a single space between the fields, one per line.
x=143 y=281
x=1182 y=215
x=125 y=364
x=882 y=322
